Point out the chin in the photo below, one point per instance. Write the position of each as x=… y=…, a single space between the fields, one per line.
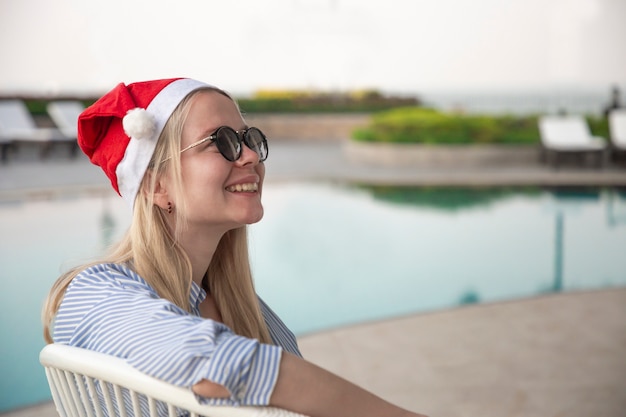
x=250 y=218
x=257 y=218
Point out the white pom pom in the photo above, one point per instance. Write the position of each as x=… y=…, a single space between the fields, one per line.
x=139 y=124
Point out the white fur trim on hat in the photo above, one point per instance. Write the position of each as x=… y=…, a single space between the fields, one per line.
x=138 y=123
x=132 y=167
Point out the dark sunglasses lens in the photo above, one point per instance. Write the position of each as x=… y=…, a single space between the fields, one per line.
x=255 y=140
x=228 y=143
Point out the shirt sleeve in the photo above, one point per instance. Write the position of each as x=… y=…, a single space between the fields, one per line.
x=279 y=332
x=105 y=311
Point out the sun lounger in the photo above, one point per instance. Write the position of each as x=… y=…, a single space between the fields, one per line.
x=5 y=145
x=569 y=135
x=65 y=114
x=617 y=129
x=18 y=126
x=87 y=383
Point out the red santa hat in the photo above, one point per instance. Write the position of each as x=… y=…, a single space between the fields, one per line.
x=119 y=131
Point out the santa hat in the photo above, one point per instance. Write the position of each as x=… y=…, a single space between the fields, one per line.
x=119 y=131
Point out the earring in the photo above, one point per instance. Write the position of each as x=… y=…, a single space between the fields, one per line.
x=169 y=207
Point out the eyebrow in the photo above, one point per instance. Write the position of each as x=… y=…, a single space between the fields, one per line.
x=208 y=132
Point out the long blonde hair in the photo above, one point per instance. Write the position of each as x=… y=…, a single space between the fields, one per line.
x=154 y=253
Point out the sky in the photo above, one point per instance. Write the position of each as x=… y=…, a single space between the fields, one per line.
x=406 y=46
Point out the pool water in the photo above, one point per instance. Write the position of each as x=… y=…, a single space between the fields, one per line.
x=328 y=255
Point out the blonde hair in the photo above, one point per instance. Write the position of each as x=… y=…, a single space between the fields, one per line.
x=154 y=253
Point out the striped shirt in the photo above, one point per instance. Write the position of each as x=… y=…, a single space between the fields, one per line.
x=110 y=309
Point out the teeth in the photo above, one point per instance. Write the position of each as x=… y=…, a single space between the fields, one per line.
x=238 y=188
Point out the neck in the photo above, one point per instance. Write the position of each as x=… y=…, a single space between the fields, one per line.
x=200 y=248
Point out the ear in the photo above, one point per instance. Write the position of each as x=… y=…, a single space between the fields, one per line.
x=160 y=195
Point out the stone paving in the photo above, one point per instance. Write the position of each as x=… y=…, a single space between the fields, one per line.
x=556 y=355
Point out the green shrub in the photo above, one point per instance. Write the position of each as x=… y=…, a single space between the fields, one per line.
x=316 y=105
x=296 y=101
x=599 y=126
x=36 y=107
x=428 y=126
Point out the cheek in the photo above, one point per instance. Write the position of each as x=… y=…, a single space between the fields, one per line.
x=209 y=169
x=260 y=170
x=204 y=181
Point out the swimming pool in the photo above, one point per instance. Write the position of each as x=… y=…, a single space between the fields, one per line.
x=329 y=255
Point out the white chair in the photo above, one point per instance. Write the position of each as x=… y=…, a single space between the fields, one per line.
x=617 y=130
x=65 y=114
x=85 y=383
x=569 y=135
x=5 y=145
x=17 y=125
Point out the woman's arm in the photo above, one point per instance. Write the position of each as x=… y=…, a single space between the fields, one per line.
x=308 y=389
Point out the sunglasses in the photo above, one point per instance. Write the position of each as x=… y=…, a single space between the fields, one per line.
x=228 y=142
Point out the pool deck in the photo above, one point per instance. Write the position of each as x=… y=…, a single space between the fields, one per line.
x=553 y=355
x=26 y=174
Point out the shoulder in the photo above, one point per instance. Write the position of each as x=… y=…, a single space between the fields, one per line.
x=109 y=275
x=97 y=292
x=108 y=281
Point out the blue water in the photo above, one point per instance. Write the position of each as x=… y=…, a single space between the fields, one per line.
x=328 y=255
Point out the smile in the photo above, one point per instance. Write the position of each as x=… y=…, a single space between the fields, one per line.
x=243 y=188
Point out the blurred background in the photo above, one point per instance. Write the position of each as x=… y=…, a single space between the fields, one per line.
x=344 y=224
x=408 y=47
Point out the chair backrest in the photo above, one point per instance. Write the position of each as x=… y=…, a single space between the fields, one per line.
x=564 y=130
x=65 y=114
x=15 y=119
x=617 y=127
x=85 y=383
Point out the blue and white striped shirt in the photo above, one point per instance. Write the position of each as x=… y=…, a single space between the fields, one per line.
x=110 y=309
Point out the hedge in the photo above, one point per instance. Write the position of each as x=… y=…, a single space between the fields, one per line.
x=429 y=126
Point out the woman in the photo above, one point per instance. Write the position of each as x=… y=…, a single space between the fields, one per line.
x=175 y=297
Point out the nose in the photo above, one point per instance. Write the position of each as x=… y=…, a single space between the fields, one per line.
x=248 y=156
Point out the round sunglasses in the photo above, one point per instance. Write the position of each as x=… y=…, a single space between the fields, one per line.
x=229 y=142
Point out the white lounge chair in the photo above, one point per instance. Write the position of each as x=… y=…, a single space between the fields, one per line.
x=617 y=129
x=85 y=383
x=65 y=114
x=17 y=125
x=569 y=135
x=5 y=145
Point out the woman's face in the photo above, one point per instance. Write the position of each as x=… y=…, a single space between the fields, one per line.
x=220 y=195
